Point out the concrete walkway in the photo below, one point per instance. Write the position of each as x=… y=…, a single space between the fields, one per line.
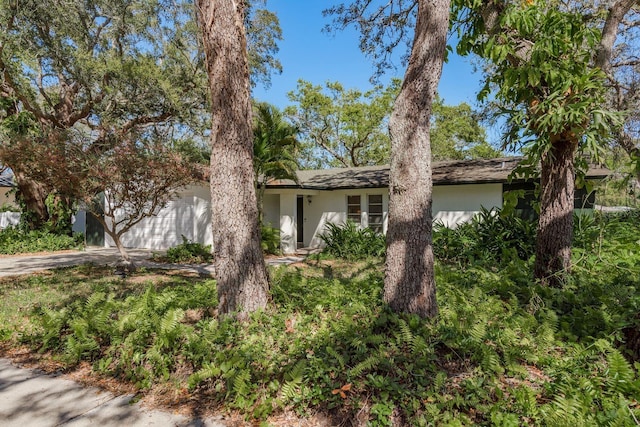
x=29 y=398
x=24 y=264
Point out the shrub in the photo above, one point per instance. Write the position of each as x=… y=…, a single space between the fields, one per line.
x=489 y=236
x=350 y=242
x=188 y=253
x=17 y=241
x=270 y=239
x=6 y=207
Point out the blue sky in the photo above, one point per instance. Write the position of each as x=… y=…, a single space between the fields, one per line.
x=309 y=53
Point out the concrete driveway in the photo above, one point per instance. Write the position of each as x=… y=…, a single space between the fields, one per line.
x=25 y=264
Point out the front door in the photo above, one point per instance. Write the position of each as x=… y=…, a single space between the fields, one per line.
x=300 y=221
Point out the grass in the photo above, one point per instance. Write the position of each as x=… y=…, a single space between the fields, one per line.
x=504 y=351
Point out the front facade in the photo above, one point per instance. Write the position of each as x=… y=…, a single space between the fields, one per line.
x=301 y=215
x=302 y=209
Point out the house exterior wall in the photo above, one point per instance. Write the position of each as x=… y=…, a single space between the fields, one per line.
x=331 y=206
x=452 y=205
x=455 y=204
x=271 y=210
x=190 y=213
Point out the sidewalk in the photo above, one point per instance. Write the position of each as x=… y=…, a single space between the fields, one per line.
x=29 y=398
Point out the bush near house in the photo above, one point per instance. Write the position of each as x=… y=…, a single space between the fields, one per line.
x=16 y=241
x=504 y=350
x=187 y=252
x=351 y=242
x=270 y=239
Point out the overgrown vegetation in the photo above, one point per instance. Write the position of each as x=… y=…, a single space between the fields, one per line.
x=504 y=351
x=351 y=242
x=187 y=252
x=14 y=240
x=270 y=239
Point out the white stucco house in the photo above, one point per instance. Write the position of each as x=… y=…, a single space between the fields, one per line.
x=301 y=210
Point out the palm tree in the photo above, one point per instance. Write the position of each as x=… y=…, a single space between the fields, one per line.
x=274 y=149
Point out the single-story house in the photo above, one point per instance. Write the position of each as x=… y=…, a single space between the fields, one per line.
x=301 y=209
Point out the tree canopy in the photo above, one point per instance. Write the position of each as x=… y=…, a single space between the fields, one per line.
x=347 y=127
x=97 y=72
x=342 y=127
x=456 y=133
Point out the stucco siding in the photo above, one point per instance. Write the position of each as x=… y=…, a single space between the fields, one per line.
x=271 y=210
x=331 y=206
x=455 y=204
x=188 y=215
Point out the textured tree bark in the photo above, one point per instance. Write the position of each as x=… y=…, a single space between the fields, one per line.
x=33 y=194
x=555 y=225
x=409 y=284
x=239 y=266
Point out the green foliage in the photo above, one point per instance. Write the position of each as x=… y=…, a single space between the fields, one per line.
x=16 y=241
x=274 y=149
x=490 y=236
x=137 y=337
x=188 y=252
x=342 y=127
x=8 y=207
x=457 y=135
x=270 y=239
x=274 y=145
x=542 y=75
x=351 y=242
x=505 y=350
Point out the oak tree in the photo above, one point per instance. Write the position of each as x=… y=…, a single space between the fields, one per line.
x=238 y=261
x=105 y=69
x=101 y=69
x=409 y=280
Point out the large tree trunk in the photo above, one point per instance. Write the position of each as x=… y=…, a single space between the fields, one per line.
x=32 y=196
x=238 y=261
x=555 y=225
x=409 y=284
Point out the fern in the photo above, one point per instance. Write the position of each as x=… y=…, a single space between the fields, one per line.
x=241 y=383
x=368 y=364
x=620 y=376
x=170 y=327
x=207 y=371
x=335 y=356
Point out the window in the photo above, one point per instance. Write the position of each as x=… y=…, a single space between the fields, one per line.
x=353 y=209
x=375 y=212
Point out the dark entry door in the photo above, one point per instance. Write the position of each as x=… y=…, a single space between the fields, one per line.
x=94 y=230
x=300 y=220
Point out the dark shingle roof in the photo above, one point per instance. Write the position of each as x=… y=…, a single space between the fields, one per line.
x=444 y=173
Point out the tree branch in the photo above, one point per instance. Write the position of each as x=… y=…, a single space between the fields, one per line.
x=610 y=31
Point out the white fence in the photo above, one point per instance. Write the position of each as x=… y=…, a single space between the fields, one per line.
x=7 y=219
